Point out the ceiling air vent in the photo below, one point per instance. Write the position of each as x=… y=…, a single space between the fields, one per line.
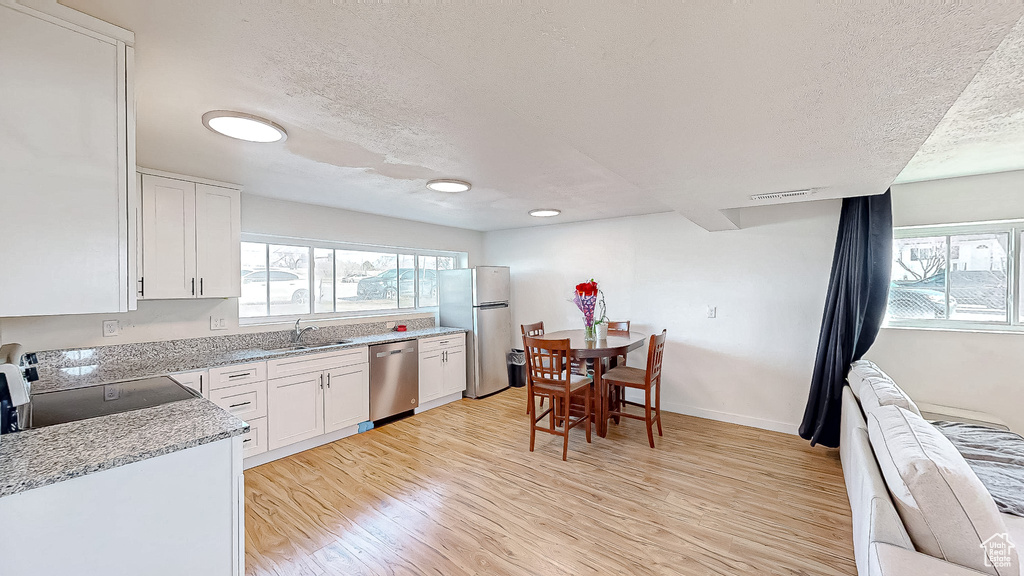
x=781 y=195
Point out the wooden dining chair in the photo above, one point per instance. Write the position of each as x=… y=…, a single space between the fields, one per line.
x=648 y=380
x=618 y=327
x=548 y=374
x=531 y=330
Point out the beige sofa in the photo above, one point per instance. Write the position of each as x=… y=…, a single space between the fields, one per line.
x=933 y=516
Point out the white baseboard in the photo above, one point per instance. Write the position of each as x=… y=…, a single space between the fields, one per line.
x=742 y=420
x=271 y=455
x=438 y=402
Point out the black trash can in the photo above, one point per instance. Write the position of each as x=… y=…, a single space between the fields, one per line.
x=516 y=361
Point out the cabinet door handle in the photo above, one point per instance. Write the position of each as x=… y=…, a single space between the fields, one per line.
x=246 y=440
x=200 y=383
x=240 y=404
x=193 y=286
x=321 y=381
x=328 y=380
x=200 y=286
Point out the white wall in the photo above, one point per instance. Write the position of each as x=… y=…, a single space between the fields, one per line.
x=974 y=370
x=173 y=319
x=752 y=364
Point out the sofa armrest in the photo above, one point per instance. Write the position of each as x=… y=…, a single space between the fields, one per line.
x=889 y=560
x=948 y=413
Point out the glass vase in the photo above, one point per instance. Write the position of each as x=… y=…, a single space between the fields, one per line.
x=590 y=333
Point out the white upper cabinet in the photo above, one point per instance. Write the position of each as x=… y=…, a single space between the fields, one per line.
x=191 y=239
x=66 y=163
x=218 y=241
x=168 y=238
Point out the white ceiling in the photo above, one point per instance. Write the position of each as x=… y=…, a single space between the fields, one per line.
x=983 y=131
x=599 y=109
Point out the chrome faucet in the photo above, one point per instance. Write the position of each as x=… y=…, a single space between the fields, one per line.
x=297 y=336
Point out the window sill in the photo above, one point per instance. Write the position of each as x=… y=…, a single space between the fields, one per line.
x=334 y=318
x=975 y=328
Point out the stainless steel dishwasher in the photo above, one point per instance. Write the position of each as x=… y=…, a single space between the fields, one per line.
x=394 y=378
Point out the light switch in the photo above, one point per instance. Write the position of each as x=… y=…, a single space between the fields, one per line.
x=712 y=311
x=111 y=328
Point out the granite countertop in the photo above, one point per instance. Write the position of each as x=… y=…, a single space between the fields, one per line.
x=153 y=359
x=39 y=457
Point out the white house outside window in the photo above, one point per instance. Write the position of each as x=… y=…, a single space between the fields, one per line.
x=957 y=276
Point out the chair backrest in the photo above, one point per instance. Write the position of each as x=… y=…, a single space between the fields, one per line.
x=618 y=328
x=535 y=329
x=547 y=362
x=655 y=353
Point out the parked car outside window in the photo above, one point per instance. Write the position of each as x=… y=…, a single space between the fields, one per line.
x=285 y=286
x=389 y=284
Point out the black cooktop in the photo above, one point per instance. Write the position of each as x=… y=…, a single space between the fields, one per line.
x=62 y=406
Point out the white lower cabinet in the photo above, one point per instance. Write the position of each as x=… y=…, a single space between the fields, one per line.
x=245 y=401
x=347 y=398
x=431 y=375
x=198 y=380
x=454 y=370
x=255 y=440
x=242 y=391
x=324 y=393
x=296 y=408
x=442 y=367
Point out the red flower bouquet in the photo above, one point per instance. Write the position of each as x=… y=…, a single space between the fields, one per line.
x=586 y=300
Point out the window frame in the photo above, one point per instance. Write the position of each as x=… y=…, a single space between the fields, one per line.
x=1013 y=322
x=461 y=261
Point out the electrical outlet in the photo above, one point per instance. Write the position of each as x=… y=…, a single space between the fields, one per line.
x=712 y=312
x=218 y=323
x=111 y=328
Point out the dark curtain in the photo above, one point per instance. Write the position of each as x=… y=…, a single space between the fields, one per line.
x=854 y=309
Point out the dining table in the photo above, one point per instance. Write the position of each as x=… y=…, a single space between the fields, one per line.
x=599 y=350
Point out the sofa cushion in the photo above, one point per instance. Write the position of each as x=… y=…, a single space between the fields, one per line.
x=874 y=388
x=945 y=508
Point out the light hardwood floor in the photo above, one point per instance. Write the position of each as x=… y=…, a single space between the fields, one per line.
x=456 y=491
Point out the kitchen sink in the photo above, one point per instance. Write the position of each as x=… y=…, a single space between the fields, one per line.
x=302 y=346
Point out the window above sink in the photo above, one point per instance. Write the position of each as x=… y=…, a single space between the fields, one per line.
x=287 y=279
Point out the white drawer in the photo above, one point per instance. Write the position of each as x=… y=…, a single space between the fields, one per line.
x=246 y=401
x=443 y=342
x=255 y=440
x=317 y=362
x=225 y=376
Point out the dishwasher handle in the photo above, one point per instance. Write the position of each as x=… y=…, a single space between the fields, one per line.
x=393 y=352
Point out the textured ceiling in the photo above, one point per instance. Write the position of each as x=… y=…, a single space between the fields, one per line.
x=600 y=109
x=983 y=131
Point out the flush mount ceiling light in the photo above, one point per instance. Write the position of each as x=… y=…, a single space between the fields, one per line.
x=243 y=126
x=545 y=212
x=449 y=185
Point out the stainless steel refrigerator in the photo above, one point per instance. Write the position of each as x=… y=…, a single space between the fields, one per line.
x=477 y=299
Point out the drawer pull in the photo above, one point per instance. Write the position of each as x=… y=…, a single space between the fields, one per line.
x=240 y=375
x=240 y=404
x=246 y=440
